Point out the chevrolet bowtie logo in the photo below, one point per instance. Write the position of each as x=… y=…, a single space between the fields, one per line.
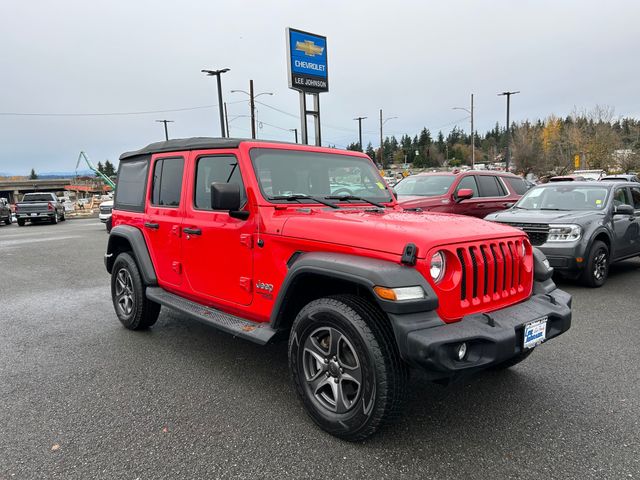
x=309 y=48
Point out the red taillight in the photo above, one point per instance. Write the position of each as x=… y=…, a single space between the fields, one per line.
x=50 y=206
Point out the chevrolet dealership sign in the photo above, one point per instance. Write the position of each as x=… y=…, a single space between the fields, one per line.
x=307 y=61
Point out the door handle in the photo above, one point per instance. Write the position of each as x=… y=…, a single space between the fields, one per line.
x=480 y=205
x=192 y=231
x=153 y=226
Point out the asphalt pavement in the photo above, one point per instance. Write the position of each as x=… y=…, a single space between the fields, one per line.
x=81 y=397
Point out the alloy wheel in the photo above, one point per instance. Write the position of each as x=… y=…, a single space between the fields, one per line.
x=332 y=369
x=124 y=291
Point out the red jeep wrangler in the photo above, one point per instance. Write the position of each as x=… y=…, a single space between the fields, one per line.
x=259 y=239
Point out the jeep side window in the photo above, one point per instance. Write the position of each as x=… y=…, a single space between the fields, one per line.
x=468 y=182
x=132 y=185
x=167 y=182
x=620 y=197
x=217 y=168
x=489 y=186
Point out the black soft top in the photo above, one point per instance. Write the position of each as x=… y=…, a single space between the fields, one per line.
x=184 y=144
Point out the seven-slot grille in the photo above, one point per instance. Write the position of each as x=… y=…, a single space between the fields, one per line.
x=491 y=270
x=537 y=232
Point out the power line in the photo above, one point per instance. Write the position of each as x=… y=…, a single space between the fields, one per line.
x=109 y=114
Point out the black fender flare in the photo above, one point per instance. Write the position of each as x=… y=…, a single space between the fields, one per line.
x=592 y=238
x=135 y=239
x=363 y=271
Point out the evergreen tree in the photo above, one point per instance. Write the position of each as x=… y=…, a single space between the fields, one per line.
x=355 y=147
x=33 y=175
x=100 y=167
x=371 y=152
x=109 y=170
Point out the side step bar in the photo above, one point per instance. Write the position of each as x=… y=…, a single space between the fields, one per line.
x=259 y=333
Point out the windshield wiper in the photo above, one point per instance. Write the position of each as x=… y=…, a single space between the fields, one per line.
x=555 y=209
x=302 y=196
x=344 y=198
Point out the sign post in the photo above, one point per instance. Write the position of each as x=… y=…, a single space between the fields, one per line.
x=308 y=73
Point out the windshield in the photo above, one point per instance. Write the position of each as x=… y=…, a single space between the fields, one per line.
x=295 y=172
x=425 y=185
x=564 y=197
x=37 y=197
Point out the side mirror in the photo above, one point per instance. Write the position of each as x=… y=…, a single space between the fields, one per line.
x=624 y=210
x=226 y=196
x=464 y=194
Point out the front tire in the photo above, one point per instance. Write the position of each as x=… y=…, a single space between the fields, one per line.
x=134 y=310
x=62 y=217
x=21 y=222
x=597 y=268
x=346 y=367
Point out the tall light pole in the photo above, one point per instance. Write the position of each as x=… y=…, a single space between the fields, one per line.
x=473 y=136
x=166 y=132
x=295 y=131
x=382 y=122
x=252 y=105
x=218 y=74
x=359 y=120
x=508 y=157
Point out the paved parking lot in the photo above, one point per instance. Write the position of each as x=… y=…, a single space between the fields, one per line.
x=81 y=397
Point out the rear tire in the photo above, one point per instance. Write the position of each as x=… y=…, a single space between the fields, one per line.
x=54 y=219
x=7 y=221
x=596 y=270
x=108 y=225
x=346 y=367
x=134 y=310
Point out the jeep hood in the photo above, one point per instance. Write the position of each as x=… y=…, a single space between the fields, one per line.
x=390 y=230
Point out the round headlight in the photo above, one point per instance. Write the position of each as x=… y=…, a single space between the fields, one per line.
x=437 y=266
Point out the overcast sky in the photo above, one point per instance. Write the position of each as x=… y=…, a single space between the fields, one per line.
x=416 y=60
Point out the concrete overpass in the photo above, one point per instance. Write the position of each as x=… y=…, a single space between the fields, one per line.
x=13 y=190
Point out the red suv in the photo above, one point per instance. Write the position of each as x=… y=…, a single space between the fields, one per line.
x=475 y=193
x=259 y=239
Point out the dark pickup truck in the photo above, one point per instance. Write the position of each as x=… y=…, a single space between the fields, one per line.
x=36 y=207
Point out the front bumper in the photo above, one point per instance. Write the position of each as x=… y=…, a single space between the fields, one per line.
x=427 y=342
x=562 y=257
x=104 y=217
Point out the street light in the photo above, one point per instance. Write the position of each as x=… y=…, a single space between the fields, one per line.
x=473 y=137
x=508 y=157
x=252 y=105
x=382 y=122
x=218 y=74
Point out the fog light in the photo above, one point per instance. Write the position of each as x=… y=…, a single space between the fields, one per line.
x=462 y=351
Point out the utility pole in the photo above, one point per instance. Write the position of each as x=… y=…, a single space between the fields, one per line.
x=359 y=120
x=294 y=130
x=226 y=119
x=218 y=74
x=508 y=156
x=252 y=105
x=166 y=132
